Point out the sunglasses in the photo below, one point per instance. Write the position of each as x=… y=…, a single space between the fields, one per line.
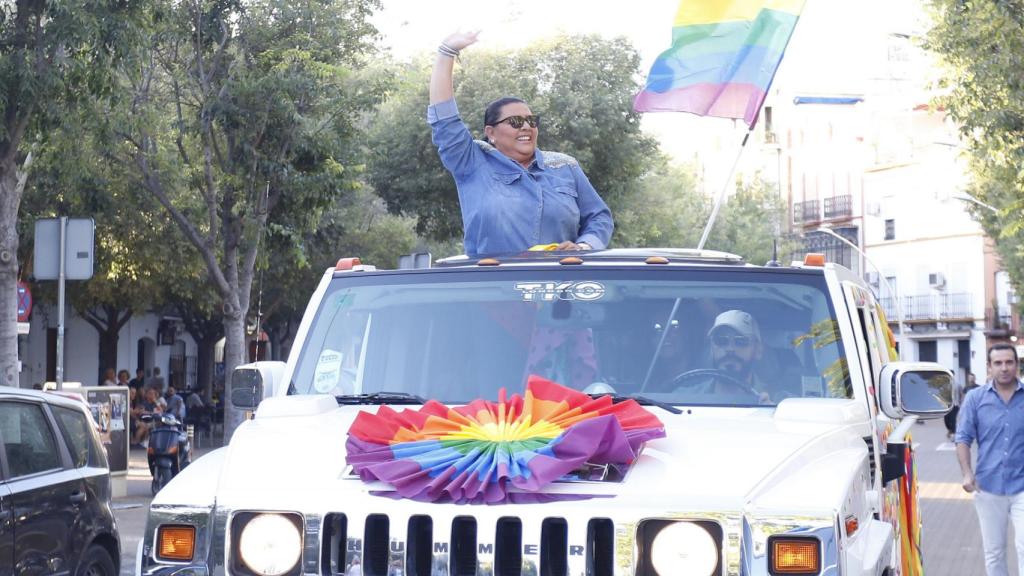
x=517 y=121
x=658 y=327
x=722 y=340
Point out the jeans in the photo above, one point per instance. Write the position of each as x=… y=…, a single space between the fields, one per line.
x=994 y=514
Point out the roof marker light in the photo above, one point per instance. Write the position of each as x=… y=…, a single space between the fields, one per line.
x=569 y=260
x=656 y=260
x=814 y=259
x=488 y=262
x=346 y=264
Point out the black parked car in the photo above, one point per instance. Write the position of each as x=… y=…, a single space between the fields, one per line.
x=55 y=515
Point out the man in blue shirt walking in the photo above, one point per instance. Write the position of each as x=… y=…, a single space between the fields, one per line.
x=993 y=416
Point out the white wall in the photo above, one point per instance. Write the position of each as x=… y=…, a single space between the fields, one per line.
x=81 y=346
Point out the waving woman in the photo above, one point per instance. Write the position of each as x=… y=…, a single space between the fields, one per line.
x=513 y=195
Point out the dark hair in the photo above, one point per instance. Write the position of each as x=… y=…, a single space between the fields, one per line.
x=494 y=109
x=1001 y=346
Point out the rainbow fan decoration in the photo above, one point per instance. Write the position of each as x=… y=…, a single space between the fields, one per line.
x=496 y=452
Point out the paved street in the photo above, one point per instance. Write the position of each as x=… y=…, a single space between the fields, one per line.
x=952 y=544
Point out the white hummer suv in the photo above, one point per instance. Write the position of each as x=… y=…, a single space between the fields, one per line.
x=785 y=413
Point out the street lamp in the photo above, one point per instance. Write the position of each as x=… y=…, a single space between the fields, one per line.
x=968 y=198
x=881 y=275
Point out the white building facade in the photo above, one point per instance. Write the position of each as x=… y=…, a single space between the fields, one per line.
x=859 y=150
x=146 y=341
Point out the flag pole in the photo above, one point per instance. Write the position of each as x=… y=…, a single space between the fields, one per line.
x=721 y=192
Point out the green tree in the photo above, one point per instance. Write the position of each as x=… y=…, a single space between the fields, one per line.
x=666 y=210
x=361 y=228
x=52 y=55
x=582 y=86
x=131 y=248
x=749 y=221
x=982 y=45
x=240 y=110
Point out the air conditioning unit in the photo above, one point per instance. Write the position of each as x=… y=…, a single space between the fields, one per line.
x=937 y=280
x=872 y=278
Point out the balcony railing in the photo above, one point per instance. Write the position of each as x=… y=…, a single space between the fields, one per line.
x=838 y=207
x=999 y=320
x=936 y=307
x=808 y=211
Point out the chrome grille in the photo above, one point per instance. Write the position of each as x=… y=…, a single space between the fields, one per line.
x=418 y=545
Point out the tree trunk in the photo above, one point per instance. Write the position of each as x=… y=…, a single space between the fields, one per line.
x=10 y=199
x=108 y=350
x=107 y=321
x=204 y=366
x=234 y=355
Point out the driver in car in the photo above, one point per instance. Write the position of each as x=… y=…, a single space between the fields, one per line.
x=735 y=348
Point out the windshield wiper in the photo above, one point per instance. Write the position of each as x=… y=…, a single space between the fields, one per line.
x=642 y=400
x=380 y=398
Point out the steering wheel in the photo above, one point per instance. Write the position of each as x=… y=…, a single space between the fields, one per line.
x=691 y=378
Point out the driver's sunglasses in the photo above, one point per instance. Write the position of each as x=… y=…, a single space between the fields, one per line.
x=517 y=121
x=722 y=340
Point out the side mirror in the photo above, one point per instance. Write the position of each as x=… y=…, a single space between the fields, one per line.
x=920 y=388
x=251 y=383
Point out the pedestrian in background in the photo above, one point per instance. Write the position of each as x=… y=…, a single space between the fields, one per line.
x=972 y=383
x=993 y=416
x=138 y=382
x=108 y=378
x=157 y=381
x=175 y=404
x=955 y=400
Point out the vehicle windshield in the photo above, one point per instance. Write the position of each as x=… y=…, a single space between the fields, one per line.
x=712 y=337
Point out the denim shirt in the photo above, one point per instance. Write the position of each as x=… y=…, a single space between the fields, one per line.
x=507 y=208
x=998 y=428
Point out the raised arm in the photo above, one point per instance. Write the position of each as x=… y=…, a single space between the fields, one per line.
x=441 y=88
x=455 y=146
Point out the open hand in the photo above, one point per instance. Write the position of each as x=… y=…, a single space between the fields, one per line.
x=460 y=40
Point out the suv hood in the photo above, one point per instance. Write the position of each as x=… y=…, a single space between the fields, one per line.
x=714 y=456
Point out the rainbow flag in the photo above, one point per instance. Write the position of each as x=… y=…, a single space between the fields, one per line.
x=474 y=454
x=723 y=57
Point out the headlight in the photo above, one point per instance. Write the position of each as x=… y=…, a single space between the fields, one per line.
x=270 y=544
x=683 y=548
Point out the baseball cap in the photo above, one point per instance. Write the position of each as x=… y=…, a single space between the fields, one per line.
x=739 y=321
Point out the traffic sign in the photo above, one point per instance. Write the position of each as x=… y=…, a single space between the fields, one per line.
x=24 y=301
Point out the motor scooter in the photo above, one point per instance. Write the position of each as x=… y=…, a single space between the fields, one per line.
x=169 y=449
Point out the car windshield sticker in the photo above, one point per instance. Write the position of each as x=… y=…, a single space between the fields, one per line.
x=342 y=300
x=585 y=291
x=328 y=371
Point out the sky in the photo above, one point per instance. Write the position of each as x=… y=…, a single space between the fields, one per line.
x=828 y=55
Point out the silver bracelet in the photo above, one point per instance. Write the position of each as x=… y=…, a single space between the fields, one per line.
x=448 y=51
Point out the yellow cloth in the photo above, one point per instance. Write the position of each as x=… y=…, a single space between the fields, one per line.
x=543 y=247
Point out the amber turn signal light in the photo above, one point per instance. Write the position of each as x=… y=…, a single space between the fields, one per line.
x=795 y=556
x=176 y=543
